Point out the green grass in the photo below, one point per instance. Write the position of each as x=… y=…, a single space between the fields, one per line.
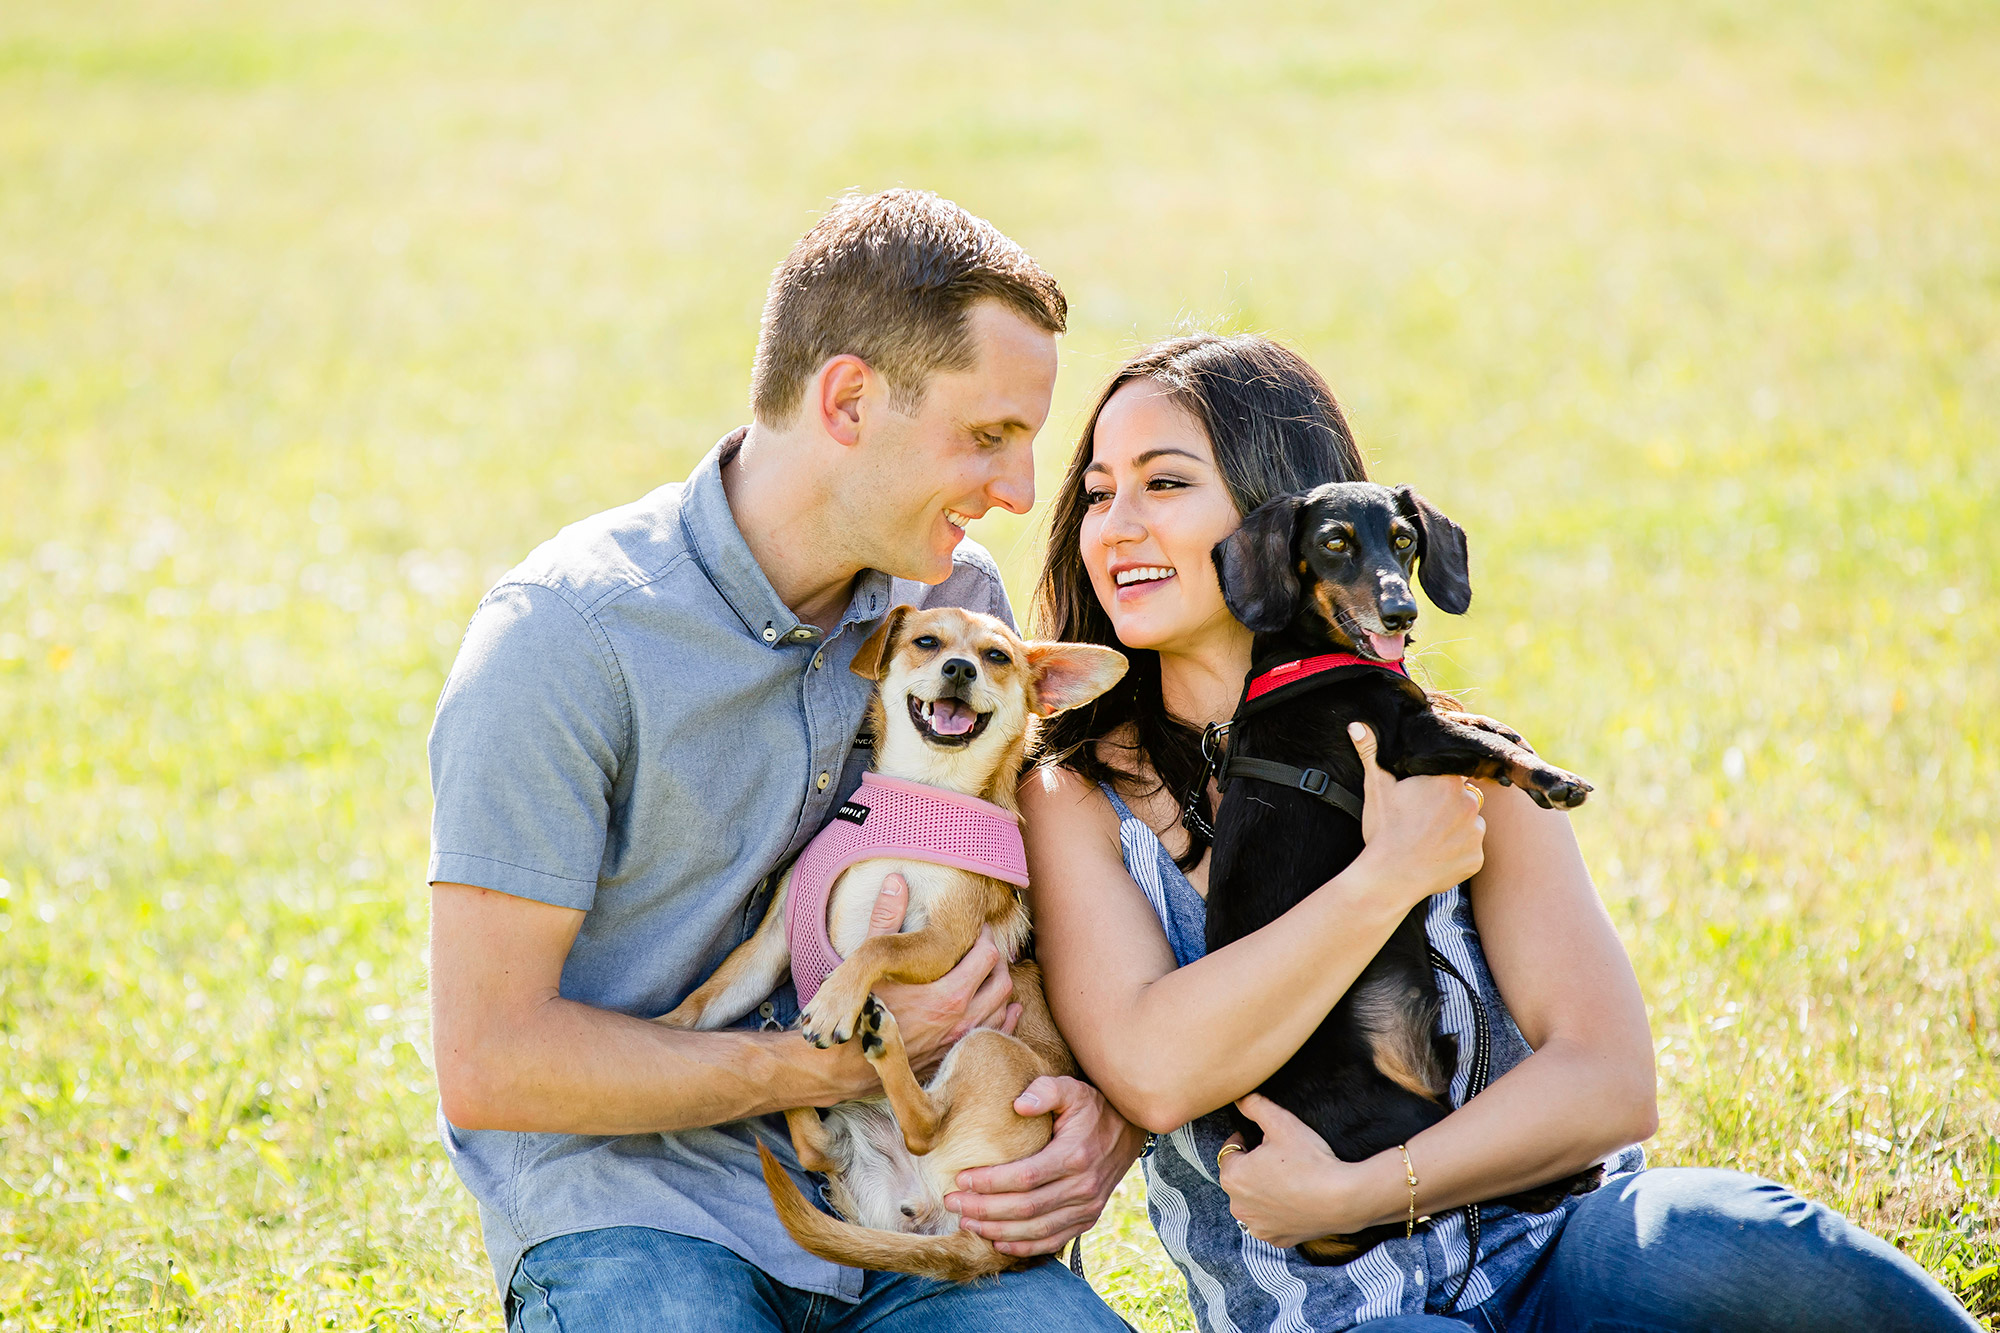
x=315 y=317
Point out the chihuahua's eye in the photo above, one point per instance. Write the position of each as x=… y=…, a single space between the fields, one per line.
x=1404 y=541
x=925 y=641
x=997 y=658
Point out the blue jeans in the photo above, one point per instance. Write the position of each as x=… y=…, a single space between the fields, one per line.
x=637 y=1280
x=1677 y=1250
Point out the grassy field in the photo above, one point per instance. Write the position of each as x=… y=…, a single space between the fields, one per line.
x=314 y=317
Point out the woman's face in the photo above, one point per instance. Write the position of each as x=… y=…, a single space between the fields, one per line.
x=1158 y=505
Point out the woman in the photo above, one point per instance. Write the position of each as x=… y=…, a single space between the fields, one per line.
x=1185 y=440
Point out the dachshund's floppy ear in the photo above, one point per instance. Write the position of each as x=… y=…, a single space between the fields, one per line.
x=875 y=650
x=1254 y=565
x=1441 y=555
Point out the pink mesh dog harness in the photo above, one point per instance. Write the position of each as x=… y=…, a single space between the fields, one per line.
x=891 y=817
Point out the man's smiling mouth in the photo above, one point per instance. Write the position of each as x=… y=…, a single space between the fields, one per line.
x=947 y=721
x=957 y=519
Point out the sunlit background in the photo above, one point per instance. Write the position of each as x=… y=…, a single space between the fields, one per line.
x=315 y=317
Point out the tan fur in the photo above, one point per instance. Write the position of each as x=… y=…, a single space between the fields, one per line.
x=1402 y=1050
x=889 y=1187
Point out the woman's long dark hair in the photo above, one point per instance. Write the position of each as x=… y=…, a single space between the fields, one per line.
x=1275 y=428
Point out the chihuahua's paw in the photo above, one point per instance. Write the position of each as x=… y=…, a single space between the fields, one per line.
x=869 y=1029
x=830 y=1020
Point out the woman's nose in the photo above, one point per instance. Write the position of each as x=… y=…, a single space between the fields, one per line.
x=1120 y=525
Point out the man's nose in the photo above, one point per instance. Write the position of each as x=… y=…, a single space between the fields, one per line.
x=958 y=671
x=1013 y=488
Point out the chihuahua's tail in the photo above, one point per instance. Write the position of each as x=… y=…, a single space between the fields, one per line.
x=960 y=1256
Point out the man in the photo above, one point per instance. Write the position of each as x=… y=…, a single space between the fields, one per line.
x=652 y=713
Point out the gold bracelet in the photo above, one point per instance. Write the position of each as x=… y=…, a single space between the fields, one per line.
x=1410 y=1229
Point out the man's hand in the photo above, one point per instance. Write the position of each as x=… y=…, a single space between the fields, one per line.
x=933 y=1017
x=1036 y=1205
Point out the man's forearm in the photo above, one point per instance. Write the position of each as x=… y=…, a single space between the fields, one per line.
x=567 y=1068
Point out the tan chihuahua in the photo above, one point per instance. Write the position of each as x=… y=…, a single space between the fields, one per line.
x=955 y=692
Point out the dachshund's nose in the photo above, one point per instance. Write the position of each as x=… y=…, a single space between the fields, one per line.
x=961 y=672
x=1397 y=617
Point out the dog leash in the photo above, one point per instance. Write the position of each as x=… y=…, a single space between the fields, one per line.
x=1482 y=1068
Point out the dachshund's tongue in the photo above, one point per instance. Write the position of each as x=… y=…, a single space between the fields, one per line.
x=1388 y=647
x=951 y=717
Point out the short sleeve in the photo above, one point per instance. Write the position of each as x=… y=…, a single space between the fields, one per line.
x=525 y=750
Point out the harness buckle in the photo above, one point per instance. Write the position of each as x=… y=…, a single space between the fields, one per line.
x=1314 y=782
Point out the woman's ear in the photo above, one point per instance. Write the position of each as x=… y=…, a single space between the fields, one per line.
x=1442 y=559
x=877 y=648
x=1254 y=566
x=1069 y=675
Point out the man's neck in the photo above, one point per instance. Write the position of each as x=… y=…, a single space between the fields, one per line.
x=784 y=510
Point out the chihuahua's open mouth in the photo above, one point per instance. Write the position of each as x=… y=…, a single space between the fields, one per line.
x=947 y=721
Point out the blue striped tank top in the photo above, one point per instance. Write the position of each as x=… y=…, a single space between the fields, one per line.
x=1237 y=1283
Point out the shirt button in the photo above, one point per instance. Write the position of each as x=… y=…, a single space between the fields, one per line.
x=818 y=657
x=770 y=635
x=821 y=782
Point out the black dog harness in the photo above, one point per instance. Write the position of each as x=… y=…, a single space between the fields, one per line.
x=1277 y=685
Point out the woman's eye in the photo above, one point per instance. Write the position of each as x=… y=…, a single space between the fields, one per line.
x=1096 y=497
x=925 y=641
x=1165 y=483
x=997 y=658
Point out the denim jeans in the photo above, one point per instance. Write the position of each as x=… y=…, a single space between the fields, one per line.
x=637 y=1280
x=1681 y=1250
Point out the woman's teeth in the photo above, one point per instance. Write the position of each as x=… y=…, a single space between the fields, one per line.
x=1149 y=574
x=956 y=519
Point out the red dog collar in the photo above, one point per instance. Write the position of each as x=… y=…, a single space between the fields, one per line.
x=1291 y=673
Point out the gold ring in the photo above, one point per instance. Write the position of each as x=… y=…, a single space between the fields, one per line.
x=1478 y=794
x=1225 y=1150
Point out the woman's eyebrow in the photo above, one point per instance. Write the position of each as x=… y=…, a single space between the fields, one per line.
x=1149 y=456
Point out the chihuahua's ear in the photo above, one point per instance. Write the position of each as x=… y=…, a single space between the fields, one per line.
x=1254 y=565
x=1069 y=675
x=877 y=648
x=1442 y=565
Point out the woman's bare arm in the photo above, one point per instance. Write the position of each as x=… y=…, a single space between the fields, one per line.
x=1587 y=1089
x=1166 y=1044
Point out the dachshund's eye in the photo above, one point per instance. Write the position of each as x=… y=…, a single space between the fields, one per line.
x=1336 y=543
x=997 y=658
x=1404 y=541
x=925 y=641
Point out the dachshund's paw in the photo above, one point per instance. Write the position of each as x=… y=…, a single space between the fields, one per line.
x=830 y=1020
x=1555 y=789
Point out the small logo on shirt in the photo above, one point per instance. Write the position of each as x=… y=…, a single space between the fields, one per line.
x=853 y=812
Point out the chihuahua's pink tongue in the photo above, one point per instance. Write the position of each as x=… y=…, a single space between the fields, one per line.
x=951 y=717
x=1388 y=647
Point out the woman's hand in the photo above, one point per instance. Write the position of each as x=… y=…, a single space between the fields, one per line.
x=1291 y=1188
x=1423 y=834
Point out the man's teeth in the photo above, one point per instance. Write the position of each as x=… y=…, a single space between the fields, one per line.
x=956 y=519
x=1145 y=575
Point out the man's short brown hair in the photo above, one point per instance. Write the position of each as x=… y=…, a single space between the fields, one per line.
x=890 y=278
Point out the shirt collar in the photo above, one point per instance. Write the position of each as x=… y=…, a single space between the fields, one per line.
x=725 y=557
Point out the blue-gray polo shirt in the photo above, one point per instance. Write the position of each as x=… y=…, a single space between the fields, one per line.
x=637 y=726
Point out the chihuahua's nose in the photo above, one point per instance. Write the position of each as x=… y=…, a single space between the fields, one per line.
x=961 y=672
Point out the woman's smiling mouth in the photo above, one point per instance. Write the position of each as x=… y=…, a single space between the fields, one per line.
x=1141 y=576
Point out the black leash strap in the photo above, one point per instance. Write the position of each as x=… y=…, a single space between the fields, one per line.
x=1312 y=781
x=1482 y=1070
x=1076 y=1256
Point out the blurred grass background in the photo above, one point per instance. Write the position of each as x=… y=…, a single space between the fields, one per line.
x=314 y=317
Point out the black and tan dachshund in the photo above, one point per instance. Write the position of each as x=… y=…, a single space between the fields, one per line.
x=1320 y=577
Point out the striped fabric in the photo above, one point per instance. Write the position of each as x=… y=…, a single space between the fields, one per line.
x=1237 y=1283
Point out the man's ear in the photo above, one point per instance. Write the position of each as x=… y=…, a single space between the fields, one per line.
x=1069 y=675
x=1442 y=559
x=1254 y=565
x=876 y=650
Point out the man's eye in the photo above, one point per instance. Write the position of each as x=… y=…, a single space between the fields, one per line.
x=988 y=438
x=997 y=658
x=925 y=641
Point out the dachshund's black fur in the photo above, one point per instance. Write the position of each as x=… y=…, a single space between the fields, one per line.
x=1312 y=574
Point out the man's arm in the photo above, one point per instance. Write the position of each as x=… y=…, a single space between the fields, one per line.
x=512 y=1053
